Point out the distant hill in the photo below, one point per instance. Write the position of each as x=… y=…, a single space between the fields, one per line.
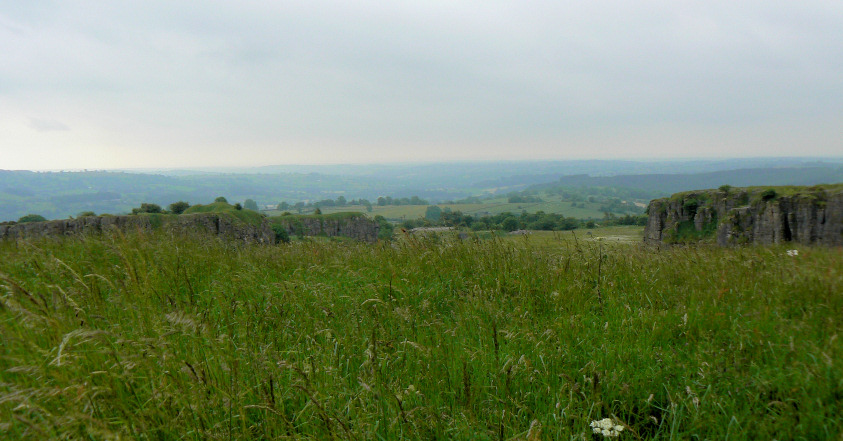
x=663 y=184
x=56 y=195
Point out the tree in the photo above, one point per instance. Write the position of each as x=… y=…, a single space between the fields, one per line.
x=237 y=206
x=510 y=224
x=283 y=206
x=317 y=211
x=433 y=213
x=221 y=199
x=250 y=204
x=341 y=201
x=147 y=208
x=179 y=207
x=31 y=218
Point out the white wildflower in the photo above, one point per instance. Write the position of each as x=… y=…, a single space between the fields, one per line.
x=792 y=253
x=606 y=427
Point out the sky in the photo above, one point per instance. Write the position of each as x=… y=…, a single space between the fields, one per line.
x=135 y=84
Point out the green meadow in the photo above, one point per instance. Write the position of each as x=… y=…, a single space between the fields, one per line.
x=150 y=336
x=486 y=207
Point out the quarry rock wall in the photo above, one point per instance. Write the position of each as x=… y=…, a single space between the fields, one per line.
x=732 y=216
x=358 y=227
x=221 y=224
x=212 y=223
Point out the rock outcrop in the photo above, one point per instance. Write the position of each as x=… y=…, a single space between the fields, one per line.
x=221 y=224
x=212 y=223
x=356 y=227
x=805 y=215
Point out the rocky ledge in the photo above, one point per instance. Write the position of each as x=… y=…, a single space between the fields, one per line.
x=356 y=226
x=213 y=223
x=765 y=215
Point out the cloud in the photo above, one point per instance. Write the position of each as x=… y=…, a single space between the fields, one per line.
x=47 y=125
x=358 y=79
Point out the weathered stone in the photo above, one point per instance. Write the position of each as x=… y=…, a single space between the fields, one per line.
x=356 y=227
x=810 y=215
x=220 y=224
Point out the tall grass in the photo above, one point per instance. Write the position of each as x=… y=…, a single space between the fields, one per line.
x=150 y=336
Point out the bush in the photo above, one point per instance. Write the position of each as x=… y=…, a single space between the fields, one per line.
x=281 y=234
x=386 y=228
x=147 y=208
x=221 y=199
x=691 y=206
x=179 y=207
x=86 y=213
x=768 y=194
x=31 y=218
x=433 y=213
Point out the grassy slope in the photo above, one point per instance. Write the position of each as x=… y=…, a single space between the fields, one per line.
x=155 y=337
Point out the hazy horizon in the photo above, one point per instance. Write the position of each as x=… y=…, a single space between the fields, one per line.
x=164 y=85
x=739 y=162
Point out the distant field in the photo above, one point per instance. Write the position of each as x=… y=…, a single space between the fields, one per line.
x=398 y=213
x=609 y=236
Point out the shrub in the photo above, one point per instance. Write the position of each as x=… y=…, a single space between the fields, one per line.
x=147 y=208
x=768 y=194
x=31 y=218
x=433 y=213
x=179 y=207
x=86 y=213
x=221 y=199
x=386 y=228
x=281 y=234
x=691 y=206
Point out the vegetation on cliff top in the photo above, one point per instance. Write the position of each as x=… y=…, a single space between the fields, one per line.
x=780 y=190
x=127 y=336
x=248 y=216
x=689 y=203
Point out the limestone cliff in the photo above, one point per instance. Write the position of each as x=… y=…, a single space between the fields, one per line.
x=213 y=223
x=805 y=215
x=356 y=226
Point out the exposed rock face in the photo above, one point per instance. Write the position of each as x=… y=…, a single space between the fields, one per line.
x=808 y=215
x=357 y=227
x=212 y=223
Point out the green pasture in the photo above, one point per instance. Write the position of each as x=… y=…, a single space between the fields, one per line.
x=492 y=207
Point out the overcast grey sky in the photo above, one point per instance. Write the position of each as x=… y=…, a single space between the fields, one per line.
x=94 y=84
